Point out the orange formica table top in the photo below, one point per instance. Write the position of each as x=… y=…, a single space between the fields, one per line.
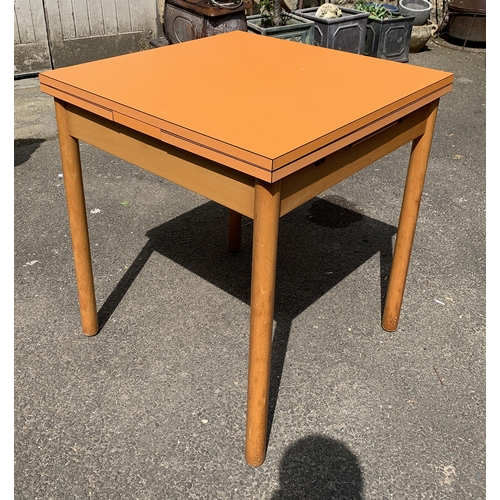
x=251 y=102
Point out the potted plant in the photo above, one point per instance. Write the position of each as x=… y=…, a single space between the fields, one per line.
x=276 y=20
x=388 y=34
x=337 y=27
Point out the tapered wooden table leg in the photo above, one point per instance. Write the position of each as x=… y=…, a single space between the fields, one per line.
x=408 y=221
x=265 y=245
x=234 y=236
x=73 y=182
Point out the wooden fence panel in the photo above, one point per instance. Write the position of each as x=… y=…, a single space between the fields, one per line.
x=31 y=46
x=96 y=18
x=76 y=31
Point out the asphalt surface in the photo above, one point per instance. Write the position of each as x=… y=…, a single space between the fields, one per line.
x=153 y=407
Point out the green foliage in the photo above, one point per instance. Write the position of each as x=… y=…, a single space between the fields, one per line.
x=266 y=7
x=376 y=10
x=272 y=14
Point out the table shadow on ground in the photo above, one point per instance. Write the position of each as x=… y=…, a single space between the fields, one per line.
x=317 y=467
x=24 y=149
x=319 y=245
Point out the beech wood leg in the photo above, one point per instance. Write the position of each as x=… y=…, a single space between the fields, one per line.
x=417 y=168
x=265 y=245
x=73 y=182
x=234 y=236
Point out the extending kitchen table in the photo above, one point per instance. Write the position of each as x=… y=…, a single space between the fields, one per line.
x=259 y=125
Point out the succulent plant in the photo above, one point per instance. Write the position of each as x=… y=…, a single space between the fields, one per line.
x=328 y=11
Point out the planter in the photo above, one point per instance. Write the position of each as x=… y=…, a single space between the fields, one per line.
x=467 y=20
x=389 y=38
x=393 y=8
x=346 y=33
x=420 y=36
x=297 y=29
x=182 y=25
x=388 y=6
x=419 y=9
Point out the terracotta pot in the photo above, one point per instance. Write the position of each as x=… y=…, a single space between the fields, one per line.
x=420 y=36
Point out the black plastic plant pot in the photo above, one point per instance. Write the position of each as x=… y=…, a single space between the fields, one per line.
x=346 y=33
x=389 y=38
x=296 y=29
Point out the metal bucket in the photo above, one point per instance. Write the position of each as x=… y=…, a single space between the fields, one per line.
x=467 y=20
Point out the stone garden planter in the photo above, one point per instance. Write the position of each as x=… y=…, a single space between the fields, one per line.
x=297 y=29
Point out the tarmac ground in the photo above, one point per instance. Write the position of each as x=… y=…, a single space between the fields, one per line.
x=153 y=407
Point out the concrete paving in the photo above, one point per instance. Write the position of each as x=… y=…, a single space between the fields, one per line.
x=153 y=407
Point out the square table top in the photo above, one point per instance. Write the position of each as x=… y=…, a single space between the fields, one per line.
x=253 y=101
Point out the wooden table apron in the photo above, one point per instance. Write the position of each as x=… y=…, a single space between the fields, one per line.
x=264 y=202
